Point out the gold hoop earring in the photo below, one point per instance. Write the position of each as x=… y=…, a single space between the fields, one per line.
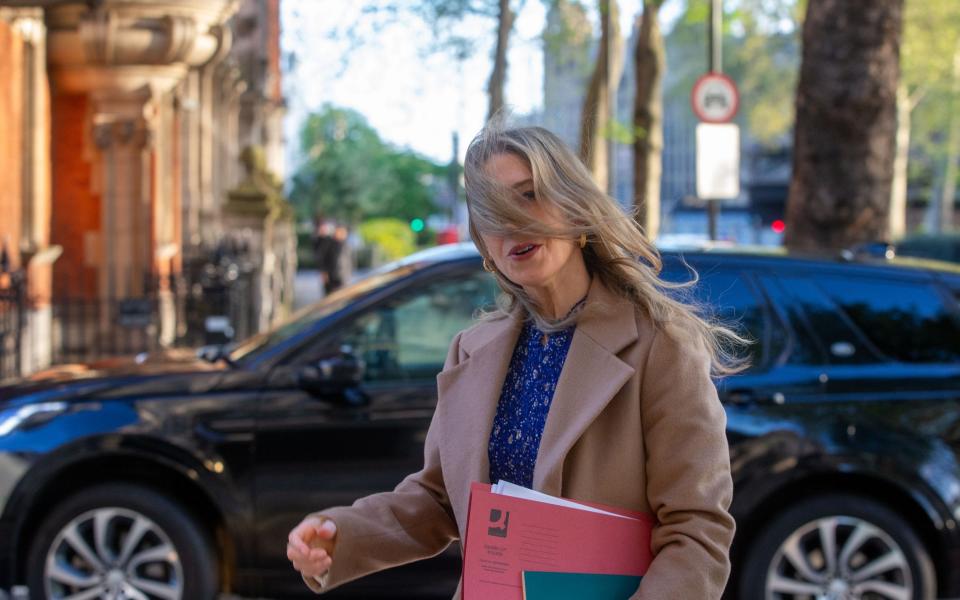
x=487 y=267
x=583 y=240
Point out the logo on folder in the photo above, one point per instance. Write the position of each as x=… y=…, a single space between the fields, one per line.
x=499 y=521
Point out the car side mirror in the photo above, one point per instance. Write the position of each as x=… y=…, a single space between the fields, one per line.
x=333 y=376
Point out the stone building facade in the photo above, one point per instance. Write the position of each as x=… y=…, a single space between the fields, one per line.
x=123 y=122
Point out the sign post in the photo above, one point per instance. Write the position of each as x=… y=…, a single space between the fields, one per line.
x=715 y=101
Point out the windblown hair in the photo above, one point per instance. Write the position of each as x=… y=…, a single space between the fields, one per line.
x=617 y=249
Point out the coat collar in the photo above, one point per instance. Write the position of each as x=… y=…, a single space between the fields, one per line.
x=591 y=376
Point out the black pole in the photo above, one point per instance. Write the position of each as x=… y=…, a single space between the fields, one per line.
x=715 y=61
x=715 y=51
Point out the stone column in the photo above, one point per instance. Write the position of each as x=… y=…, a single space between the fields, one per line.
x=204 y=213
x=124 y=129
x=36 y=255
x=123 y=58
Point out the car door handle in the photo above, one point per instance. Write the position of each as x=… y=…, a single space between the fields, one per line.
x=744 y=397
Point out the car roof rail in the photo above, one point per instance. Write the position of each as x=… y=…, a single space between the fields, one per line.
x=880 y=249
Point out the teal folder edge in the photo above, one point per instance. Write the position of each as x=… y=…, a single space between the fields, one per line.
x=543 y=585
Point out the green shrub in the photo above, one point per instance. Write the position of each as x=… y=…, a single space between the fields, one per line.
x=393 y=237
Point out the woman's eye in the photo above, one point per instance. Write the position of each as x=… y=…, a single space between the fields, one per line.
x=530 y=195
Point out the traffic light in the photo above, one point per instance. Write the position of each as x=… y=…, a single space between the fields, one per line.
x=417 y=225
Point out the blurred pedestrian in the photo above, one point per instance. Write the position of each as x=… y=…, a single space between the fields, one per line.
x=590 y=382
x=328 y=246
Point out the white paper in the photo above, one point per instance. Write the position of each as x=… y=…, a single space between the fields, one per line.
x=506 y=488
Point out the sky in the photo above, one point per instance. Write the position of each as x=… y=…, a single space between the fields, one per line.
x=414 y=99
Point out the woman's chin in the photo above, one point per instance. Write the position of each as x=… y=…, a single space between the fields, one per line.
x=527 y=280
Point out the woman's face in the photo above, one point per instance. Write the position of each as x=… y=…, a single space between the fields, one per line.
x=531 y=261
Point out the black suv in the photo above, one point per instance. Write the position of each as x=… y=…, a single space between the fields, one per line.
x=171 y=477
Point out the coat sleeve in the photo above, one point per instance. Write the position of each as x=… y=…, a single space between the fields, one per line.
x=413 y=522
x=689 y=486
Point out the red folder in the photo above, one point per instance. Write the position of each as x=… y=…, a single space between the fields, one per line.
x=506 y=536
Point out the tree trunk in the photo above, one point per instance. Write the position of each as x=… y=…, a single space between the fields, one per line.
x=498 y=76
x=595 y=117
x=650 y=62
x=846 y=124
x=949 y=190
x=898 y=197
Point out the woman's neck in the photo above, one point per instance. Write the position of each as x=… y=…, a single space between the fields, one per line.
x=560 y=295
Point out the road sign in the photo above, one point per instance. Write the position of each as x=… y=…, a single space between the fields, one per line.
x=718 y=161
x=715 y=98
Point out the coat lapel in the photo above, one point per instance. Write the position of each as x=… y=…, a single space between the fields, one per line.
x=592 y=375
x=471 y=392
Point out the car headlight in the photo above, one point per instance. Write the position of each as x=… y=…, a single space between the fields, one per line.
x=30 y=414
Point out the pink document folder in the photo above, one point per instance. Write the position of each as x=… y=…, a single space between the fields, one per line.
x=506 y=536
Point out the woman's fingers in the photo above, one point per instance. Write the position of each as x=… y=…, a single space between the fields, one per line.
x=314 y=562
x=310 y=545
x=296 y=541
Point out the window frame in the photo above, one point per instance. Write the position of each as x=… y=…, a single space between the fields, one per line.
x=327 y=343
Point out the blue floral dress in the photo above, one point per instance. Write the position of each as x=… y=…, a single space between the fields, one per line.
x=524 y=403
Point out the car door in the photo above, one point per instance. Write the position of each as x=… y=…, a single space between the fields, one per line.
x=885 y=337
x=780 y=364
x=317 y=450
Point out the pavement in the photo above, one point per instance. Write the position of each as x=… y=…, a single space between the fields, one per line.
x=307 y=288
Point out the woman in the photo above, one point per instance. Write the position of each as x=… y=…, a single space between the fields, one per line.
x=590 y=383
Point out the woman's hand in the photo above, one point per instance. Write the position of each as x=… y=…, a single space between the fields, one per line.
x=310 y=545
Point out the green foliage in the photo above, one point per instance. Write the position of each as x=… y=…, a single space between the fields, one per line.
x=351 y=174
x=761 y=53
x=393 y=237
x=931 y=34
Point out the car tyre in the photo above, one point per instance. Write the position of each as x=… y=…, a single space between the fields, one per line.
x=837 y=546
x=117 y=535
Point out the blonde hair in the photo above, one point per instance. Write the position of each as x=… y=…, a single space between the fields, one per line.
x=617 y=250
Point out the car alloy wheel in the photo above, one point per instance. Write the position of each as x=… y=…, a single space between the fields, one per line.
x=113 y=553
x=839 y=558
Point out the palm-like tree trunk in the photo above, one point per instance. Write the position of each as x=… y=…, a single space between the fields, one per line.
x=498 y=76
x=846 y=124
x=649 y=62
x=595 y=117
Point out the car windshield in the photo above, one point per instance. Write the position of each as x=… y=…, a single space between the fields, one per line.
x=305 y=317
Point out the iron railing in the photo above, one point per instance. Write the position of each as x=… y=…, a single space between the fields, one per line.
x=211 y=302
x=13 y=312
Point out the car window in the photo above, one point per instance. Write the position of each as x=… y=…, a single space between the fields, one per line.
x=905 y=320
x=407 y=338
x=733 y=301
x=812 y=320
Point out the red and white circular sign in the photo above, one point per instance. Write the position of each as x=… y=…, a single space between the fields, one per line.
x=715 y=98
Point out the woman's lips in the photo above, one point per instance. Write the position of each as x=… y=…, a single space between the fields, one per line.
x=521 y=252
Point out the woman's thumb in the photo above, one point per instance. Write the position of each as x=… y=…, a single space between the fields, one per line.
x=327 y=529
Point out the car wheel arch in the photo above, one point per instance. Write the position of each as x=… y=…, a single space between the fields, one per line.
x=150 y=472
x=913 y=506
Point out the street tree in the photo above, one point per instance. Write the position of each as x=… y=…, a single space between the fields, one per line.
x=596 y=118
x=649 y=65
x=845 y=125
x=351 y=174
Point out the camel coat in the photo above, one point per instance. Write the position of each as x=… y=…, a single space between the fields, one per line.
x=635 y=422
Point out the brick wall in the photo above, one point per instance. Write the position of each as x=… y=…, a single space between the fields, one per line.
x=75 y=207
